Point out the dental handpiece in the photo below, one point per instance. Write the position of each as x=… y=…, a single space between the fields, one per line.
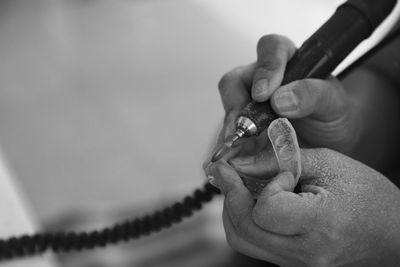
x=353 y=22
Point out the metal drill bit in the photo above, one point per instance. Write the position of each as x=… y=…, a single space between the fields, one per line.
x=221 y=151
x=225 y=147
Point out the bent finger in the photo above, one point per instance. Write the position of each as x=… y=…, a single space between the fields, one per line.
x=233 y=87
x=273 y=53
x=267 y=247
x=281 y=211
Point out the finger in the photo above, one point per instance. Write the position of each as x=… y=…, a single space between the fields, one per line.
x=231 y=184
x=281 y=211
x=263 y=165
x=320 y=99
x=269 y=249
x=238 y=203
x=273 y=53
x=238 y=200
x=209 y=163
x=238 y=206
x=233 y=88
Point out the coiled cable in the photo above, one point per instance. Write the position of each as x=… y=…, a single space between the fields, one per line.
x=27 y=245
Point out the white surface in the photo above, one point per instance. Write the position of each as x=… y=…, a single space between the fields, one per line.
x=16 y=217
x=106 y=105
x=78 y=78
x=293 y=18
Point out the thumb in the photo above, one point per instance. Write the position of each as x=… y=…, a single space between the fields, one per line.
x=281 y=211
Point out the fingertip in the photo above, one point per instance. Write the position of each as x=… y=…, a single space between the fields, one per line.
x=226 y=176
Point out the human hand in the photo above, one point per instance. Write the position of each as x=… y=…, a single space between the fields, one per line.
x=320 y=110
x=347 y=214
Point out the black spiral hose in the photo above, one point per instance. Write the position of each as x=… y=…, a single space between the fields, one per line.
x=28 y=245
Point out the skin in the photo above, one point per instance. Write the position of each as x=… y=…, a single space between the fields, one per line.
x=358 y=116
x=346 y=212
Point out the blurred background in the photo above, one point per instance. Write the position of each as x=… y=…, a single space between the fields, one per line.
x=108 y=109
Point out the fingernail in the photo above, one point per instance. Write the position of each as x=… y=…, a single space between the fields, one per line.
x=260 y=88
x=211 y=170
x=213 y=177
x=212 y=181
x=286 y=102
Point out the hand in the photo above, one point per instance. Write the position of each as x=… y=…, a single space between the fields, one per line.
x=355 y=117
x=347 y=214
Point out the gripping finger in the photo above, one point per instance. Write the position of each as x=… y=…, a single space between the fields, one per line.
x=281 y=211
x=233 y=88
x=273 y=53
x=266 y=247
x=320 y=99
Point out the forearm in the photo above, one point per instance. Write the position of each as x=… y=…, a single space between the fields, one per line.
x=376 y=100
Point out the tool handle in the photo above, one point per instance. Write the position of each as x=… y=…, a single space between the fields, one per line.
x=352 y=22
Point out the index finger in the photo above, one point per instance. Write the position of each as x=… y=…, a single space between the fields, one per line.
x=234 y=88
x=273 y=54
x=238 y=207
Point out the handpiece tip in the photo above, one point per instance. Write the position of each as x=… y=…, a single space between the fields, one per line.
x=225 y=147
x=222 y=150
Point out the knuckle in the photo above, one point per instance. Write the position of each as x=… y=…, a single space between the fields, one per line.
x=224 y=81
x=275 y=44
x=270 y=40
x=228 y=78
x=267 y=65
